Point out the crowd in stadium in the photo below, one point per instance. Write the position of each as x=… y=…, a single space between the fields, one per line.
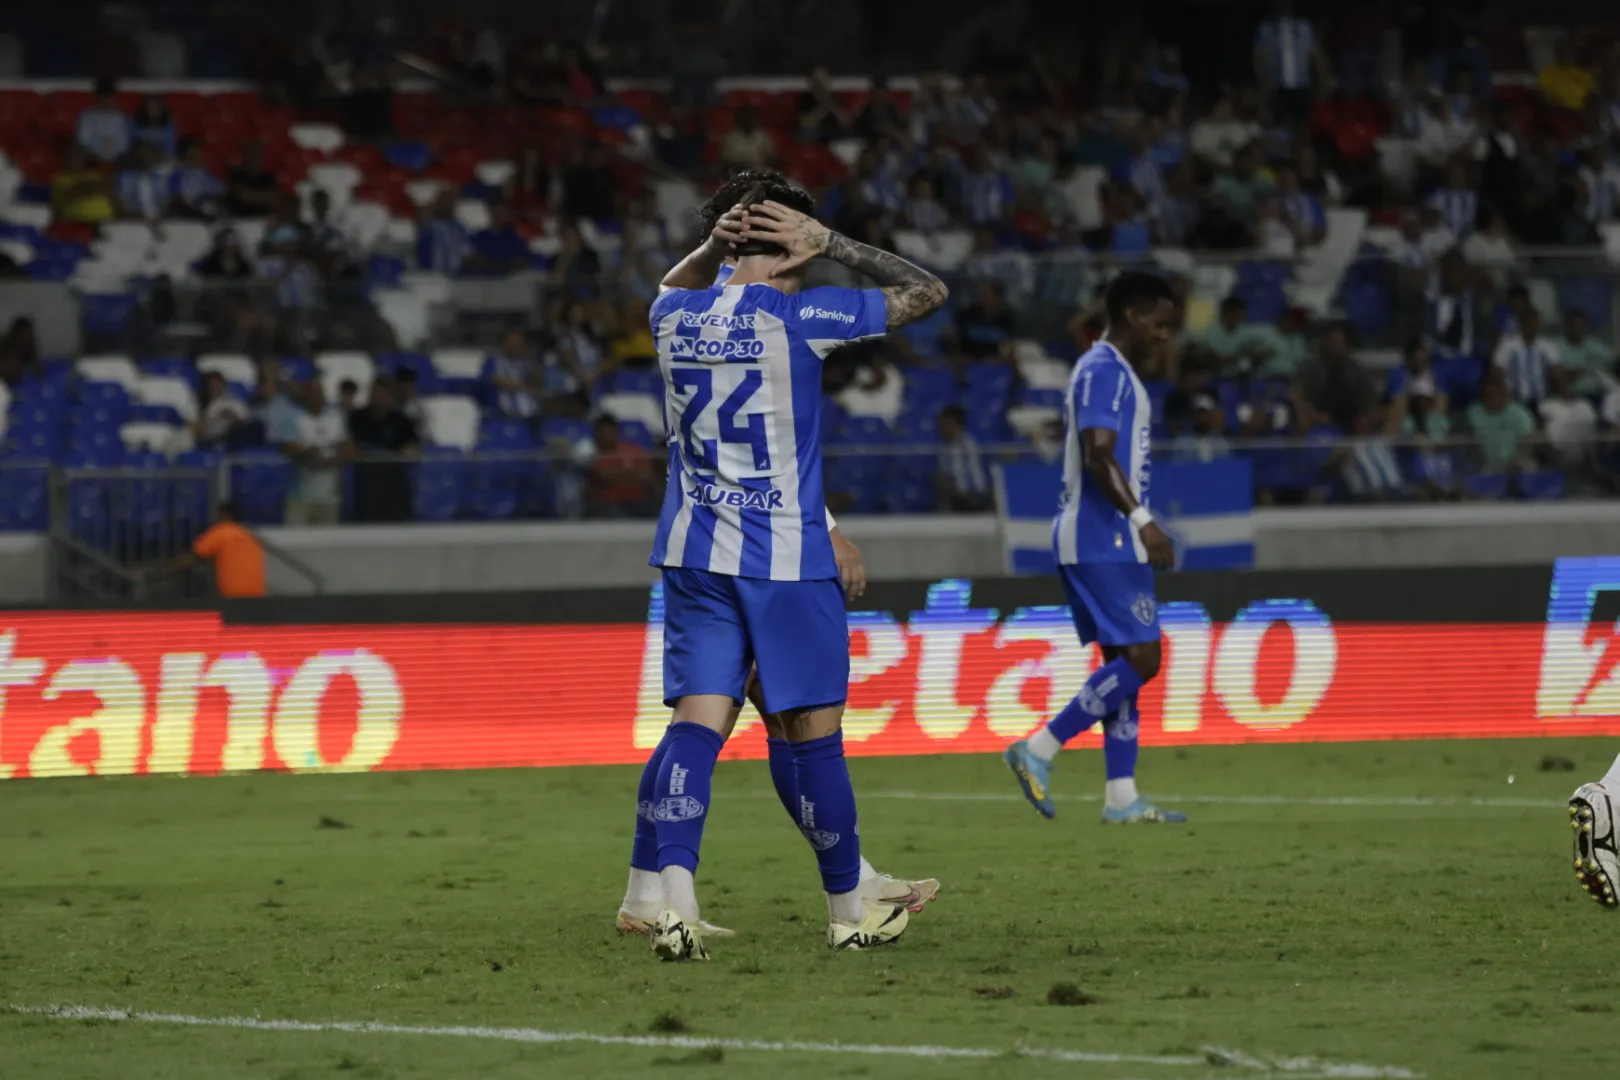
x=253 y=264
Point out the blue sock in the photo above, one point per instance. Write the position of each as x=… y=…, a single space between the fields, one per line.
x=681 y=792
x=826 y=811
x=1114 y=682
x=644 y=848
x=784 y=775
x=1119 y=741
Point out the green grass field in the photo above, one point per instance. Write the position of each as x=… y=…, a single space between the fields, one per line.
x=1313 y=909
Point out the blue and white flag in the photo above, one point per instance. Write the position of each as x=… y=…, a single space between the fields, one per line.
x=1206 y=508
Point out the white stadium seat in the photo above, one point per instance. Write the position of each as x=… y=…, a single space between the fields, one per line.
x=642 y=407
x=458 y=363
x=473 y=213
x=337 y=366
x=109 y=368
x=495 y=173
x=161 y=438
x=236 y=367
x=167 y=390
x=451 y=421
x=323 y=137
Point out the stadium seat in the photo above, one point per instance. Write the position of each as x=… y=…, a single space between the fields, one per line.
x=170 y=390
x=451 y=421
x=109 y=369
x=235 y=367
x=335 y=367
x=458 y=363
x=641 y=408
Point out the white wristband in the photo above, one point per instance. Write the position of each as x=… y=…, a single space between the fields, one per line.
x=1141 y=518
x=831 y=524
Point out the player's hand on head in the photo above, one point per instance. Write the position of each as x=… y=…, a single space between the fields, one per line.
x=728 y=229
x=1160 y=551
x=802 y=237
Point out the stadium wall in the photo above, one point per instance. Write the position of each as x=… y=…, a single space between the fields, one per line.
x=946 y=666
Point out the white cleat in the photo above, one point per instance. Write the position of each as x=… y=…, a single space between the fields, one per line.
x=911 y=895
x=673 y=939
x=883 y=924
x=1593 y=817
x=628 y=922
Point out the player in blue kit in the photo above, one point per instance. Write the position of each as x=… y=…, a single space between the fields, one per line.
x=1107 y=547
x=749 y=575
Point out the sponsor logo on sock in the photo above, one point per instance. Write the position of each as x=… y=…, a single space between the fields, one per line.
x=644 y=811
x=820 y=839
x=678 y=808
x=677 y=779
x=807 y=813
x=1091 y=698
x=1123 y=726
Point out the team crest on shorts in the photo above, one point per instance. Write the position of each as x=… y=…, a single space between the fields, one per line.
x=1144 y=609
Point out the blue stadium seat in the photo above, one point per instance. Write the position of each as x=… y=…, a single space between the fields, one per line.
x=107 y=314
x=258 y=483
x=497 y=434
x=1543 y=485
x=412 y=155
x=297 y=368
x=634 y=431
x=1486 y=486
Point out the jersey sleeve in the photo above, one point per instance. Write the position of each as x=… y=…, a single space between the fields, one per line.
x=1099 y=397
x=831 y=314
x=664 y=303
x=208 y=544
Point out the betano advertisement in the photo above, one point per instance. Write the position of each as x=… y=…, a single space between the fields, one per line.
x=187 y=694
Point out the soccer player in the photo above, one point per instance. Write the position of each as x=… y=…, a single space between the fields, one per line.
x=748 y=567
x=643 y=897
x=1107 y=546
x=1593 y=816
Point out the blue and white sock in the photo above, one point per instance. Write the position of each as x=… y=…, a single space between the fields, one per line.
x=1119 y=755
x=785 y=776
x=1111 y=684
x=827 y=819
x=680 y=809
x=644 y=895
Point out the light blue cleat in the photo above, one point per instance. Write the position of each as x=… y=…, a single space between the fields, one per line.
x=1142 y=812
x=1032 y=776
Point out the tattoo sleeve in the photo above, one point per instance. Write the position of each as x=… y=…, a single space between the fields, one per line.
x=909 y=292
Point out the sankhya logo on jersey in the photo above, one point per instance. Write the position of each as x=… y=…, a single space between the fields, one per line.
x=812 y=312
x=709 y=349
x=715 y=494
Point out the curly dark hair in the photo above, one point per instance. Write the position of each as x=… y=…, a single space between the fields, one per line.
x=754 y=186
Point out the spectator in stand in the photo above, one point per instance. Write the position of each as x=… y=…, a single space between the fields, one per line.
x=1241 y=189
x=1012 y=269
x=194 y=192
x=1301 y=211
x=1597 y=182
x=1180 y=210
x=1569 y=420
x=620 y=482
x=1206 y=442
x=251 y=190
x=1435 y=237
x=300 y=78
x=961 y=481
x=985 y=327
x=103 y=130
x=1502 y=427
x=442 y=242
x=1217 y=138
x=1489 y=251
x=1334 y=387
x=576 y=269
x=1229 y=346
x=1500 y=153
x=1452 y=313
x=143 y=187
x=1273 y=233
x=318 y=449
x=880 y=117
x=632 y=343
x=985 y=191
x=348 y=398
x=822 y=117
x=236 y=553
x=290 y=285
x=747 y=145
x=79 y=192
x=219 y=414
x=19 y=351
x=155 y=126
x=1367 y=464
x=515 y=374
x=406 y=398
x=577 y=345
x=1457 y=202
x=923 y=211
x=1524 y=357
x=1280 y=347
x=499 y=249
x=1425 y=427
x=328 y=245
x=1287 y=62
x=1564 y=83
x=1587 y=358
x=679 y=143
x=590 y=186
x=1167 y=76
x=380 y=431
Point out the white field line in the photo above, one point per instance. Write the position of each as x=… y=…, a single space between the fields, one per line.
x=1293 y=1068
x=1419 y=801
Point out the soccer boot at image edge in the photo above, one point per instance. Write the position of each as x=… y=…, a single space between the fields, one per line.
x=882 y=924
x=673 y=939
x=628 y=922
x=1142 y=812
x=1597 y=850
x=1033 y=777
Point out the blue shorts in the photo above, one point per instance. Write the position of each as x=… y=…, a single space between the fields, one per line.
x=717 y=626
x=1112 y=602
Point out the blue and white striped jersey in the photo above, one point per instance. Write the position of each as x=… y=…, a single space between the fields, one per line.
x=1524 y=364
x=1103 y=393
x=1287 y=44
x=742 y=405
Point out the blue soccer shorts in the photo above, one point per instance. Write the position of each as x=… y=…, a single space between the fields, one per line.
x=717 y=626
x=1112 y=602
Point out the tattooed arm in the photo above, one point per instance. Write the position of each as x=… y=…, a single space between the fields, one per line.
x=909 y=292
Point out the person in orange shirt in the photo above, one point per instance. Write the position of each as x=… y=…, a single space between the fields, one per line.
x=236 y=553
